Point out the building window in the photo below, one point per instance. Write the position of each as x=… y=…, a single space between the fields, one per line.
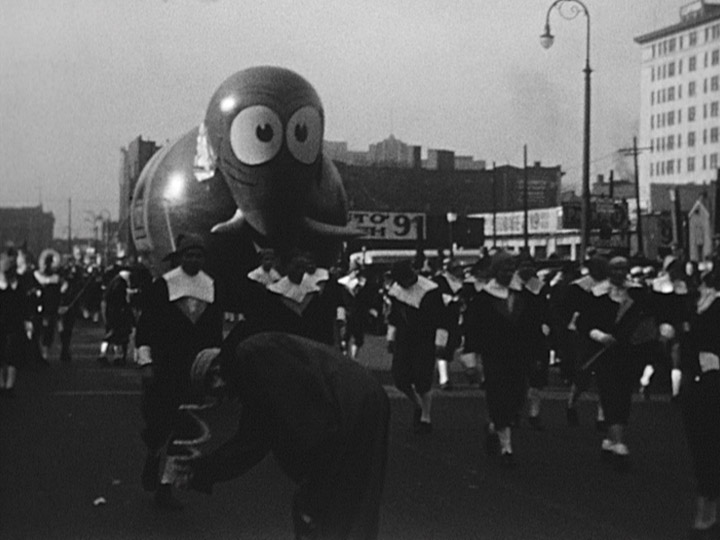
x=679 y=118
x=679 y=91
x=670 y=166
x=716 y=57
x=713 y=160
x=671 y=69
x=714 y=109
x=704 y=110
x=679 y=140
x=704 y=86
x=653 y=51
x=692 y=63
x=714 y=135
x=704 y=163
x=691 y=138
x=680 y=62
x=670 y=142
x=671 y=118
x=671 y=45
x=691 y=164
x=691 y=114
x=677 y=165
x=715 y=83
x=692 y=40
x=652 y=98
x=691 y=88
x=671 y=93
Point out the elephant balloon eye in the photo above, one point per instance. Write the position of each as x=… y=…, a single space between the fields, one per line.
x=305 y=134
x=256 y=135
x=264 y=133
x=301 y=133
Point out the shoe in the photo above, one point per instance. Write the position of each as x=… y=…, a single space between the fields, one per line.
x=606 y=449
x=447 y=386
x=492 y=442
x=536 y=423
x=165 y=500
x=572 y=417
x=149 y=477
x=507 y=460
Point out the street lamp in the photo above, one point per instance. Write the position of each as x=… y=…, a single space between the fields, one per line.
x=575 y=8
x=451 y=218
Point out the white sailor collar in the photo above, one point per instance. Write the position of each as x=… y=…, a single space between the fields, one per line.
x=414 y=294
x=5 y=284
x=664 y=285
x=44 y=279
x=493 y=288
x=586 y=283
x=704 y=302
x=179 y=284
x=259 y=275
x=599 y=288
x=534 y=285
x=293 y=291
x=352 y=281
x=454 y=282
x=320 y=275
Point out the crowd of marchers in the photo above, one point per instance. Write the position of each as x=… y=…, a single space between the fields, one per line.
x=291 y=356
x=42 y=297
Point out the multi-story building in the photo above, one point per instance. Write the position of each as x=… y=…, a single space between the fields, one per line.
x=680 y=93
x=134 y=158
x=30 y=227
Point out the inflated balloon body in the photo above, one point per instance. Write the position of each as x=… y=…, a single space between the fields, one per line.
x=252 y=175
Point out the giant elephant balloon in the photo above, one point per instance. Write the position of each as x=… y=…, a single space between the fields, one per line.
x=253 y=174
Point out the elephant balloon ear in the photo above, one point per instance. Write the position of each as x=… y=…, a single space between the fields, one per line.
x=205 y=160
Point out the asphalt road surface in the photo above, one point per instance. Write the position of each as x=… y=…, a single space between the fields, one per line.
x=70 y=460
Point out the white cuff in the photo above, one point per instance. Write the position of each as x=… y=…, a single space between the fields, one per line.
x=597 y=335
x=441 y=337
x=144 y=356
x=340 y=314
x=469 y=360
x=667 y=331
x=391 y=332
x=675 y=379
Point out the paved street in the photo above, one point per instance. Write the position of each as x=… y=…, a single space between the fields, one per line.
x=70 y=438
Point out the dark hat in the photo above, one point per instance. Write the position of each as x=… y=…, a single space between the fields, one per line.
x=402 y=271
x=498 y=260
x=185 y=242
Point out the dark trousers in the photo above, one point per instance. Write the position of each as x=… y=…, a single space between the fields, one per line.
x=701 y=415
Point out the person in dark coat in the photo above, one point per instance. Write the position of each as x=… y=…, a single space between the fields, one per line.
x=304 y=302
x=15 y=322
x=182 y=317
x=357 y=302
x=699 y=391
x=417 y=334
x=535 y=293
x=324 y=418
x=620 y=324
x=577 y=347
x=496 y=321
x=450 y=283
x=48 y=289
x=71 y=292
x=119 y=319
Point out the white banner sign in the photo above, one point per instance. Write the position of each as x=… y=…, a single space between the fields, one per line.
x=540 y=221
x=389 y=225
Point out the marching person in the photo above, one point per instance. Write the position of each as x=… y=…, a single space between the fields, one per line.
x=618 y=322
x=698 y=383
x=119 y=319
x=450 y=283
x=495 y=322
x=15 y=322
x=49 y=283
x=182 y=317
x=578 y=346
x=416 y=333
x=536 y=298
x=325 y=419
x=357 y=302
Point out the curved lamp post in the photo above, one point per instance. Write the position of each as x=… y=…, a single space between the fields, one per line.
x=570 y=9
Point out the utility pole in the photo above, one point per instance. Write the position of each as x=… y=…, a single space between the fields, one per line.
x=526 y=230
x=635 y=151
x=494 y=205
x=69 y=238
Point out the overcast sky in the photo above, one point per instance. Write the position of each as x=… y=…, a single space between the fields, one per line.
x=79 y=79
